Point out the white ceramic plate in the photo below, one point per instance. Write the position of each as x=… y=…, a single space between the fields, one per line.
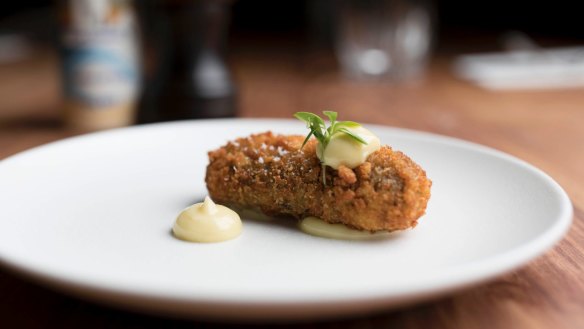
x=92 y=216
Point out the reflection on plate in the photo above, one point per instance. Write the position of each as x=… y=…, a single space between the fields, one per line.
x=92 y=216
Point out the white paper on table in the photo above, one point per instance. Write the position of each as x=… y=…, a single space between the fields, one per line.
x=533 y=69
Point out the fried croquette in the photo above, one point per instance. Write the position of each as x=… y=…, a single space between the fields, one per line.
x=277 y=176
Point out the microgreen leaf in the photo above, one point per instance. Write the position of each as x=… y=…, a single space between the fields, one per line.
x=307 y=138
x=353 y=135
x=305 y=116
x=331 y=115
x=323 y=134
x=348 y=124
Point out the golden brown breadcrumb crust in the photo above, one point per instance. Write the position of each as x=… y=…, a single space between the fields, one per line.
x=273 y=174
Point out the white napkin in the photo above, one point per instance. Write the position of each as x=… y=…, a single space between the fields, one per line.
x=525 y=69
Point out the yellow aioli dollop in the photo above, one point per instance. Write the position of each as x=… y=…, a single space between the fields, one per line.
x=317 y=227
x=344 y=150
x=207 y=222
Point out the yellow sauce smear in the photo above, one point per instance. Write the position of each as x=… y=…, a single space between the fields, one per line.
x=317 y=227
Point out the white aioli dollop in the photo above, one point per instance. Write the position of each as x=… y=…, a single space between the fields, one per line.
x=344 y=150
x=317 y=227
x=207 y=222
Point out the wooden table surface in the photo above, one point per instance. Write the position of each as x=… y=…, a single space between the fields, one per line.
x=545 y=128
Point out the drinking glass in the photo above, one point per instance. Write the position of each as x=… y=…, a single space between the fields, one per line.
x=383 y=39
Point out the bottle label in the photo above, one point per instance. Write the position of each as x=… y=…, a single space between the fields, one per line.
x=101 y=66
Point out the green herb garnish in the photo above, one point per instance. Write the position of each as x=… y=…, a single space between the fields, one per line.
x=323 y=134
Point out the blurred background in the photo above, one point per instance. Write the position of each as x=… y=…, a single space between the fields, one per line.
x=507 y=74
x=93 y=65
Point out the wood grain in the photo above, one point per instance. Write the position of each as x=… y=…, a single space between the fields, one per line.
x=545 y=128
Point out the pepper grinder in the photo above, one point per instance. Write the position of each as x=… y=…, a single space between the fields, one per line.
x=193 y=80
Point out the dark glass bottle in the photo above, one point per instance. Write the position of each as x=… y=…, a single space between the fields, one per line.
x=193 y=79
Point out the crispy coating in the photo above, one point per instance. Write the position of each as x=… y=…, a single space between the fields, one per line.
x=273 y=174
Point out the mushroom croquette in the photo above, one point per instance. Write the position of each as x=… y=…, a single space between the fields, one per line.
x=277 y=176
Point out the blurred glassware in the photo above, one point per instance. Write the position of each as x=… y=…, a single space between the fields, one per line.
x=383 y=39
x=192 y=78
x=100 y=62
